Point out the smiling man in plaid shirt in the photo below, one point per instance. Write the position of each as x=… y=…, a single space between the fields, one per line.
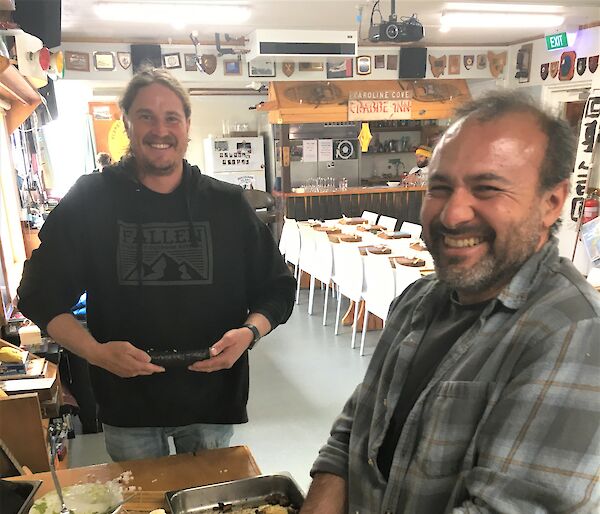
x=483 y=393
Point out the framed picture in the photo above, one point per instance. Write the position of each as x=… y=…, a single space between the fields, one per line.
x=363 y=65
x=340 y=68
x=171 y=61
x=232 y=67
x=310 y=66
x=379 y=61
x=189 y=62
x=261 y=68
x=104 y=61
x=77 y=61
x=392 y=62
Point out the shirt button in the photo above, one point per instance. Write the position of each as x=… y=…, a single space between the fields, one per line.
x=371 y=463
x=385 y=402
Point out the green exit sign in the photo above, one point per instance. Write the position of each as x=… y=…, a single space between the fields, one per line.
x=556 y=41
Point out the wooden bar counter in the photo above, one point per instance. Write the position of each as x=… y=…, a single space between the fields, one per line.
x=156 y=476
x=402 y=203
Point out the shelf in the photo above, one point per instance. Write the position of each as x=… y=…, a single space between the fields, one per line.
x=398 y=129
x=388 y=153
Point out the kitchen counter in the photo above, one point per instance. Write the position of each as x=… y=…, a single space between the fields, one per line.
x=402 y=203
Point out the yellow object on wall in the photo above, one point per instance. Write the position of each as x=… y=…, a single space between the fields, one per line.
x=118 y=142
x=365 y=137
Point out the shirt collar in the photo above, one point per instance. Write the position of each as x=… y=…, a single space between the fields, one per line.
x=515 y=294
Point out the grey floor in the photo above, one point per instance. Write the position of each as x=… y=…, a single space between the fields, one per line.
x=300 y=377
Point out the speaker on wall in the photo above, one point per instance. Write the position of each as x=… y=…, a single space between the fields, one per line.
x=413 y=63
x=145 y=55
x=40 y=18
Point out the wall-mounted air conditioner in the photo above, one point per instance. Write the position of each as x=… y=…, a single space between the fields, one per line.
x=266 y=43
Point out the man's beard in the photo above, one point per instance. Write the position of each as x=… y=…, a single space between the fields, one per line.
x=423 y=164
x=497 y=266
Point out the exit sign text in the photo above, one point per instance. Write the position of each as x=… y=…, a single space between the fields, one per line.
x=556 y=41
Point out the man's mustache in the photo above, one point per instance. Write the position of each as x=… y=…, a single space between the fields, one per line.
x=438 y=229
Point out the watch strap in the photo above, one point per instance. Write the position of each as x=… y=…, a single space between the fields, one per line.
x=255 y=334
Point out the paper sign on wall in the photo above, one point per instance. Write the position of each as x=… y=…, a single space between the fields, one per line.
x=309 y=150
x=325 y=150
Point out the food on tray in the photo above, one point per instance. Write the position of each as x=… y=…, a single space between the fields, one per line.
x=13 y=355
x=353 y=221
x=393 y=235
x=413 y=262
x=97 y=498
x=419 y=246
x=275 y=503
x=329 y=230
x=175 y=358
x=378 y=249
x=348 y=238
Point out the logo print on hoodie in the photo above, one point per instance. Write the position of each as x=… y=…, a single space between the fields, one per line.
x=167 y=254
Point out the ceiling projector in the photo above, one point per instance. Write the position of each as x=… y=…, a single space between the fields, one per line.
x=406 y=30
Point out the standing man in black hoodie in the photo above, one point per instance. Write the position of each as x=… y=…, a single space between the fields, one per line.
x=170 y=259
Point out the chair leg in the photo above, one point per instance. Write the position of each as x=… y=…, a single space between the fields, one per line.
x=364 y=332
x=355 y=324
x=337 y=315
x=325 y=304
x=298 y=286
x=311 y=295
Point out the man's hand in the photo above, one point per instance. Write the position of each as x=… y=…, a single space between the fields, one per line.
x=123 y=359
x=226 y=351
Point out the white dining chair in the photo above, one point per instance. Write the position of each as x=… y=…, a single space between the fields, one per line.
x=371 y=217
x=289 y=244
x=414 y=229
x=307 y=255
x=405 y=276
x=387 y=222
x=348 y=267
x=380 y=290
x=322 y=270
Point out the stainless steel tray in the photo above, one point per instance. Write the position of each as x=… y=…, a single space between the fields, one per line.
x=248 y=492
x=26 y=490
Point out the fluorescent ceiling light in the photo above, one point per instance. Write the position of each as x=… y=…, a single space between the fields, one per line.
x=178 y=14
x=527 y=8
x=500 y=19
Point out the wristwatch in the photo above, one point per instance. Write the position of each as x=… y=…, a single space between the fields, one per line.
x=255 y=334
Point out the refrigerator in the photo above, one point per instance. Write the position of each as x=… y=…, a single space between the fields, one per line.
x=237 y=160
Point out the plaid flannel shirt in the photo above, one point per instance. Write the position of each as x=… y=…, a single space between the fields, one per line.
x=509 y=423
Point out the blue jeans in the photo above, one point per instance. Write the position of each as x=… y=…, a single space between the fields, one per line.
x=131 y=443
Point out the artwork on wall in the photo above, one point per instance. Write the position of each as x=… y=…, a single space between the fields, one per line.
x=554 y=68
x=453 y=64
x=171 y=61
x=481 y=62
x=581 y=65
x=104 y=61
x=497 y=63
x=288 y=68
x=438 y=65
x=208 y=63
x=124 y=59
x=77 y=61
x=523 y=64
x=379 y=61
x=392 y=62
x=232 y=67
x=339 y=68
x=189 y=63
x=544 y=70
x=258 y=68
x=593 y=63
x=567 y=65
x=363 y=65
x=468 y=61
x=310 y=66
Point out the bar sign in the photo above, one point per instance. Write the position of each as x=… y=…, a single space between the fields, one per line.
x=556 y=41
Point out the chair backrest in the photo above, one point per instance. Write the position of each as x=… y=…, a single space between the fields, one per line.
x=285 y=233
x=414 y=229
x=387 y=222
x=307 y=248
x=371 y=217
x=291 y=241
x=405 y=276
x=594 y=277
x=259 y=199
x=348 y=267
x=380 y=282
x=323 y=263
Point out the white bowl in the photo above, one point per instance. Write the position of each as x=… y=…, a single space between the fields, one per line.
x=393 y=184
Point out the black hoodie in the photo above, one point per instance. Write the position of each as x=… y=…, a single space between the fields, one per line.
x=202 y=263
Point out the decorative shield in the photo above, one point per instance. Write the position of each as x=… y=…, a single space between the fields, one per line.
x=208 y=63
x=438 y=65
x=124 y=59
x=554 y=69
x=468 y=61
x=481 y=61
x=544 y=71
x=497 y=63
x=593 y=63
x=288 y=68
x=581 y=65
x=567 y=65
